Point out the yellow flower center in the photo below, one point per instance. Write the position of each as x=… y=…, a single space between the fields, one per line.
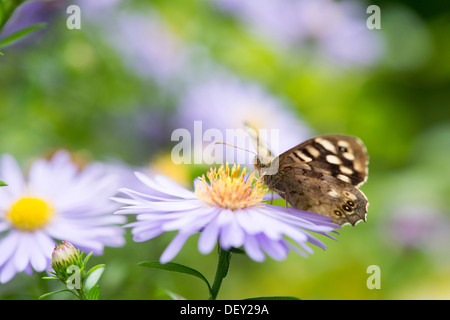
x=229 y=189
x=29 y=214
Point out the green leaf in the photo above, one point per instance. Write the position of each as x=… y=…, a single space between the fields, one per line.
x=54 y=292
x=92 y=277
x=2 y=183
x=175 y=267
x=274 y=298
x=16 y=36
x=172 y=295
x=94 y=293
x=93 y=269
x=87 y=259
x=50 y=278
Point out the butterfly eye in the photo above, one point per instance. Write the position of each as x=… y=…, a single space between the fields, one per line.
x=350 y=203
x=338 y=213
x=346 y=208
x=343 y=149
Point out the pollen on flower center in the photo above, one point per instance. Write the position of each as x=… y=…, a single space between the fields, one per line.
x=29 y=214
x=229 y=189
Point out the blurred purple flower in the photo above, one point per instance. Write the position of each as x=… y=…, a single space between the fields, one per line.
x=419 y=227
x=225 y=102
x=337 y=30
x=147 y=45
x=98 y=8
x=31 y=12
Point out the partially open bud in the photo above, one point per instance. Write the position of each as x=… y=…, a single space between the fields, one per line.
x=65 y=256
x=69 y=266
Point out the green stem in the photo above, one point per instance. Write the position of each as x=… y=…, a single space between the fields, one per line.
x=221 y=272
x=80 y=293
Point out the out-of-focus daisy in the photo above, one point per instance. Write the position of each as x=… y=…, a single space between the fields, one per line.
x=57 y=200
x=418 y=227
x=227 y=209
x=148 y=45
x=224 y=103
x=337 y=29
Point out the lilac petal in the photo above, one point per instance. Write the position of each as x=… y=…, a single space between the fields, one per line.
x=29 y=270
x=169 y=206
x=304 y=216
x=4 y=225
x=272 y=227
x=7 y=272
x=194 y=220
x=276 y=249
x=39 y=261
x=22 y=255
x=247 y=222
x=147 y=234
x=168 y=184
x=300 y=238
x=296 y=249
x=317 y=242
x=304 y=221
x=45 y=243
x=143 y=196
x=163 y=217
x=8 y=245
x=174 y=247
x=12 y=175
x=38 y=177
x=208 y=237
x=253 y=249
x=75 y=234
x=231 y=235
x=177 y=191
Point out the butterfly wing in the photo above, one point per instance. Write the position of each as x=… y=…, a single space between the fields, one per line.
x=343 y=157
x=322 y=175
x=316 y=192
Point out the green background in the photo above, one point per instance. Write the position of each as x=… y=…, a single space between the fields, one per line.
x=72 y=89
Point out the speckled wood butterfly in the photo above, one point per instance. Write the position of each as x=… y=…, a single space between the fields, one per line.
x=320 y=175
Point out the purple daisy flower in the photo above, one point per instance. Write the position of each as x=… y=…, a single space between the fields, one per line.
x=57 y=200
x=228 y=209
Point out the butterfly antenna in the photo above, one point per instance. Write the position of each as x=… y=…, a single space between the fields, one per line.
x=230 y=145
x=255 y=134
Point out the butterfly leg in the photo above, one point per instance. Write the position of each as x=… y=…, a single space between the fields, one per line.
x=282 y=194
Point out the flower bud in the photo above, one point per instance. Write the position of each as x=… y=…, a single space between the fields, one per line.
x=65 y=255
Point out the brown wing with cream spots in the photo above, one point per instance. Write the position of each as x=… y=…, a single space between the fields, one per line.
x=316 y=192
x=342 y=157
x=322 y=175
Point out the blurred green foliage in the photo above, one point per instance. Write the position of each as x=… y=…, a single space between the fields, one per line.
x=70 y=88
